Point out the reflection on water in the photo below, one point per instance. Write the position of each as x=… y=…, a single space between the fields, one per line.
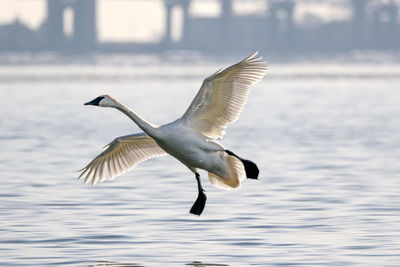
x=328 y=193
x=114 y=264
x=202 y=264
x=119 y=264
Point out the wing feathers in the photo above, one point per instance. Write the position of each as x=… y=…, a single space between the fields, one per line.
x=222 y=96
x=119 y=156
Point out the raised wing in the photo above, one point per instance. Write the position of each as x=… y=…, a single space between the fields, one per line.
x=222 y=96
x=122 y=154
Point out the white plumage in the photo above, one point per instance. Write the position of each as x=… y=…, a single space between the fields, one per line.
x=192 y=138
x=122 y=154
x=222 y=97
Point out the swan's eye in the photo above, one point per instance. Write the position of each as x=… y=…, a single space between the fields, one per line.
x=96 y=101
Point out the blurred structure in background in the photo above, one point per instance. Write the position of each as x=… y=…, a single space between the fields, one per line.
x=372 y=25
x=83 y=37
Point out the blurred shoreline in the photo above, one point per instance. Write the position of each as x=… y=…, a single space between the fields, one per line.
x=186 y=56
x=28 y=67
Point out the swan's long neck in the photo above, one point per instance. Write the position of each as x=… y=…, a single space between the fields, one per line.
x=147 y=127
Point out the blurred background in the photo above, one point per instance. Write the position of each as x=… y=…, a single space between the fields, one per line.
x=323 y=126
x=209 y=26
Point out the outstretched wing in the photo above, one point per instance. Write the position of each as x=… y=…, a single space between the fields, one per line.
x=122 y=154
x=222 y=96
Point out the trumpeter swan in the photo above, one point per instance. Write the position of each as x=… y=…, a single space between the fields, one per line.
x=192 y=138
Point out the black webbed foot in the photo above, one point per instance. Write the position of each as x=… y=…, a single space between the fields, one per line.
x=250 y=167
x=200 y=202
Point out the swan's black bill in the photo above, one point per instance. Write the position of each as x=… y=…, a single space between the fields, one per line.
x=95 y=102
x=250 y=167
x=200 y=202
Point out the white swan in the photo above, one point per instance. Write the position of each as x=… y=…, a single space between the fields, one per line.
x=191 y=138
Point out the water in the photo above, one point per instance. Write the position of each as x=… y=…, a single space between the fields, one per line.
x=325 y=136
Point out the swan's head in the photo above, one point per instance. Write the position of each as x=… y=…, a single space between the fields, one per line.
x=102 y=101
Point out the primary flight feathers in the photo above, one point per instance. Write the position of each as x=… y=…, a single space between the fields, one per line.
x=222 y=96
x=122 y=154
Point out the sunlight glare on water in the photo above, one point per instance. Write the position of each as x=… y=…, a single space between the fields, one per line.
x=327 y=146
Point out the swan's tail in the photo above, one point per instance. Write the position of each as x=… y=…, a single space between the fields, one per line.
x=250 y=167
x=235 y=175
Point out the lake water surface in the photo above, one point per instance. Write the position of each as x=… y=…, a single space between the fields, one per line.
x=325 y=136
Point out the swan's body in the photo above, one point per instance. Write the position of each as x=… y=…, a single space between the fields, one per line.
x=191 y=138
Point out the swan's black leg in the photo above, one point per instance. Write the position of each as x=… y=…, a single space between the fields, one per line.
x=200 y=202
x=250 y=167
